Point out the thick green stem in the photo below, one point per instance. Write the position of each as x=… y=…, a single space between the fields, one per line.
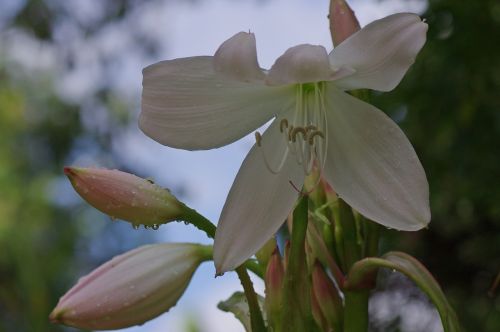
x=257 y=322
x=356 y=311
x=297 y=314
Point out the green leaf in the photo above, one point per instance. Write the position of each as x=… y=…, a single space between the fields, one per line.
x=362 y=270
x=237 y=305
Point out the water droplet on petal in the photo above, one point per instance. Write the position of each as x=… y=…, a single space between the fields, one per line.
x=155 y=227
x=135 y=226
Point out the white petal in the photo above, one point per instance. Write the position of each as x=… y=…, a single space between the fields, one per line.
x=186 y=105
x=258 y=202
x=372 y=165
x=301 y=64
x=380 y=53
x=237 y=58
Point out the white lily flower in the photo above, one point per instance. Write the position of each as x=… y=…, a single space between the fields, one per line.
x=207 y=102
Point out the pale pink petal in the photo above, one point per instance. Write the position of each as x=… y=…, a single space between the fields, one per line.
x=237 y=58
x=258 y=202
x=380 y=53
x=186 y=105
x=301 y=64
x=372 y=165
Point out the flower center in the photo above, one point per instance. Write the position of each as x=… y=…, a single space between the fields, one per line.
x=305 y=133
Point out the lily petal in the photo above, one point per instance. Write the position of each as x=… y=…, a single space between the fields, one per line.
x=237 y=58
x=186 y=105
x=380 y=53
x=301 y=64
x=258 y=202
x=372 y=165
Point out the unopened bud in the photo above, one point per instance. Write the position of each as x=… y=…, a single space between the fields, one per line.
x=130 y=289
x=125 y=196
x=274 y=280
x=318 y=314
x=343 y=22
x=328 y=298
x=265 y=252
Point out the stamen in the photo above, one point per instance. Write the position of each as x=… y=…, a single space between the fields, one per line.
x=258 y=141
x=283 y=123
x=258 y=138
x=290 y=130
x=311 y=128
x=297 y=130
x=314 y=134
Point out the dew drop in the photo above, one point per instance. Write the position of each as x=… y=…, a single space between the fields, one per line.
x=146 y=226
x=155 y=227
x=186 y=222
x=135 y=226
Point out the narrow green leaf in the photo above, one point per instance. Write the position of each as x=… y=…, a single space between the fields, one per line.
x=364 y=269
x=237 y=305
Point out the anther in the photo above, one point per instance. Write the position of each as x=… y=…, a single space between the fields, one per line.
x=311 y=128
x=297 y=130
x=315 y=133
x=283 y=123
x=290 y=130
x=258 y=138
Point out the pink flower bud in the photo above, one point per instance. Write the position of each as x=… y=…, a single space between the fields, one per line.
x=130 y=289
x=327 y=298
x=125 y=196
x=274 y=279
x=343 y=22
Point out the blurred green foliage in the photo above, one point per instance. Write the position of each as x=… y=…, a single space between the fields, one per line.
x=449 y=104
x=37 y=241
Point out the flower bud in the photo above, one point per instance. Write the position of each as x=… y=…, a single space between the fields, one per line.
x=274 y=279
x=131 y=288
x=343 y=22
x=318 y=314
x=327 y=297
x=265 y=252
x=125 y=196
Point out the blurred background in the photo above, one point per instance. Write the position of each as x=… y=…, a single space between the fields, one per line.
x=70 y=84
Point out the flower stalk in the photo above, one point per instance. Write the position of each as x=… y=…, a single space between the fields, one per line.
x=297 y=313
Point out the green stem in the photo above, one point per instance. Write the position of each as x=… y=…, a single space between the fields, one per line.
x=257 y=322
x=297 y=316
x=206 y=226
x=255 y=267
x=356 y=311
x=198 y=221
